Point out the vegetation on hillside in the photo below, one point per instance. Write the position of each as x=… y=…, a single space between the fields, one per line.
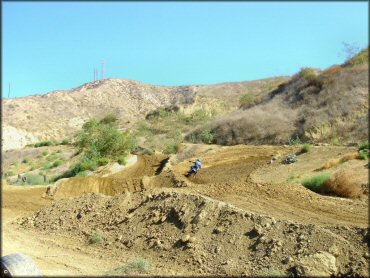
x=248 y=100
x=164 y=128
x=359 y=59
x=100 y=142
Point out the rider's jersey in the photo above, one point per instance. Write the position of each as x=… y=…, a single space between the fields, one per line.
x=198 y=164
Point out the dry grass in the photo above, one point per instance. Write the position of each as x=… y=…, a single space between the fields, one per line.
x=343 y=185
x=257 y=125
x=332 y=70
x=334 y=162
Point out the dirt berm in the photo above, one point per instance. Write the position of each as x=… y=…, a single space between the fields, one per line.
x=199 y=233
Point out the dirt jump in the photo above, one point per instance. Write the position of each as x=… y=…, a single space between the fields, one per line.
x=237 y=216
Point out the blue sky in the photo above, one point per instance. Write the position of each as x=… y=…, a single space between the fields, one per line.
x=56 y=45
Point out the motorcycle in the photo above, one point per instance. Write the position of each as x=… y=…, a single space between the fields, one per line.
x=192 y=172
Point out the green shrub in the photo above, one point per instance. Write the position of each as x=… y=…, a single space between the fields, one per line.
x=52 y=157
x=121 y=160
x=364 y=145
x=172 y=149
x=26 y=160
x=57 y=163
x=335 y=141
x=199 y=115
x=103 y=140
x=142 y=129
x=35 y=179
x=72 y=172
x=361 y=58
x=148 y=151
x=316 y=183
x=103 y=161
x=192 y=138
x=87 y=164
x=9 y=174
x=109 y=119
x=31 y=180
x=64 y=142
x=247 y=100
x=307 y=73
x=47 y=165
x=295 y=141
x=96 y=238
x=136 y=266
x=311 y=76
x=44 y=153
x=306 y=148
x=33 y=166
x=363 y=156
x=207 y=136
x=44 y=143
x=81 y=174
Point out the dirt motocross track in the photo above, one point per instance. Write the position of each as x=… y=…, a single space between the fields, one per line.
x=239 y=215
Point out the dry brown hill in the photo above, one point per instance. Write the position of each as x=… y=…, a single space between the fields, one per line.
x=318 y=106
x=59 y=114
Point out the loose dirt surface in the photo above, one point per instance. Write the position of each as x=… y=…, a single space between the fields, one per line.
x=240 y=215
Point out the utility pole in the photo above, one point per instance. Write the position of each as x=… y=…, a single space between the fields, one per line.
x=9 y=91
x=103 y=70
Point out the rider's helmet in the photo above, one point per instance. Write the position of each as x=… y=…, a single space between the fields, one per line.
x=199 y=160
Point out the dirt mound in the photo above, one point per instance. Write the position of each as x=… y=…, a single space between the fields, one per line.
x=131 y=179
x=197 y=232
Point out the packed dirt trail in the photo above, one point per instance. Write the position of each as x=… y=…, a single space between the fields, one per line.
x=237 y=215
x=232 y=176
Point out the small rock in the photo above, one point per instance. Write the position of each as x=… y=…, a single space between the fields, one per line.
x=218 y=230
x=191 y=239
x=334 y=250
x=258 y=230
x=185 y=238
x=288 y=260
x=217 y=249
x=318 y=264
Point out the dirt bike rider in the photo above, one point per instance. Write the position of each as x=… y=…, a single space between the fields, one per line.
x=197 y=164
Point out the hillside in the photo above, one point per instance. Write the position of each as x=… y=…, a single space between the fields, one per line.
x=317 y=106
x=59 y=114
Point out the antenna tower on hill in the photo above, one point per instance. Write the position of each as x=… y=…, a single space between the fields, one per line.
x=103 y=70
